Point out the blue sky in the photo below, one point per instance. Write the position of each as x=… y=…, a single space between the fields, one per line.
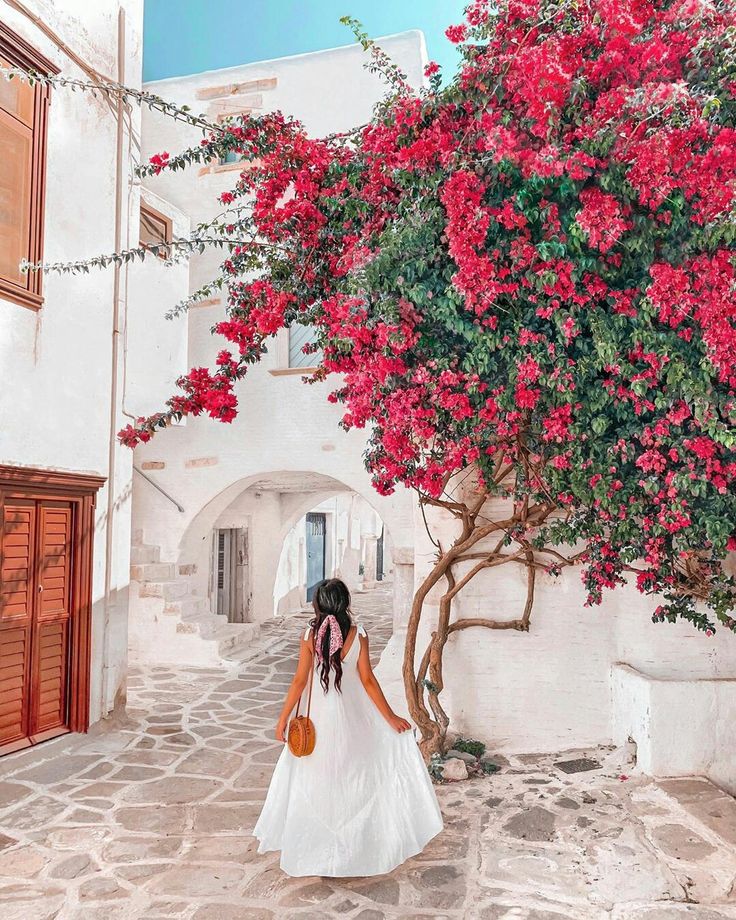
x=187 y=36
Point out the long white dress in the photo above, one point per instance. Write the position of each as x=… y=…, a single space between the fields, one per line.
x=362 y=802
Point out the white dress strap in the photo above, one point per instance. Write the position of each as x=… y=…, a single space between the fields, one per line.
x=306 y=634
x=361 y=630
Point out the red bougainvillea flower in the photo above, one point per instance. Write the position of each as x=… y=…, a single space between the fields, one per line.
x=529 y=269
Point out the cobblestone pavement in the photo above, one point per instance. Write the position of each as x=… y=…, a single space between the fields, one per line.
x=151 y=819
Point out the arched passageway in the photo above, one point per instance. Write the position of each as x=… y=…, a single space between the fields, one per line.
x=282 y=534
x=341 y=537
x=255 y=548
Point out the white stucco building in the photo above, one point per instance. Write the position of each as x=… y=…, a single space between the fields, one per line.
x=581 y=675
x=265 y=507
x=75 y=365
x=177 y=552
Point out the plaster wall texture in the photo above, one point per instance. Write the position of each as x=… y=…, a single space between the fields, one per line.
x=283 y=427
x=555 y=686
x=680 y=727
x=55 y=406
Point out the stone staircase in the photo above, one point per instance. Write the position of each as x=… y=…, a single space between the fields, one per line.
x=171 y=622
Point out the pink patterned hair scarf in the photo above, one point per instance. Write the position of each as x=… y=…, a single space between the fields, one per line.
x=336 y=640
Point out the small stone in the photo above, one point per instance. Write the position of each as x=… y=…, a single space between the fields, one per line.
x=71 y=867
x=533 y=824
x=454 y=770
x=210 y=763
x=197 y=881
x=681 y=843
x=84 y=816
x=579 y=765
x=23 y=863
x=101 y=889
x=140 y=871
x=173 y=790
x=308 y=896
x=462 y=755
x=384 y=890
x=170 y=819
x=10 y=793
x=58 y=769
x=441 y=887
x=231 y=912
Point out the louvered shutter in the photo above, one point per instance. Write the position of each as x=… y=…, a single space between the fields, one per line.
x=17 y=556
x=51 y=639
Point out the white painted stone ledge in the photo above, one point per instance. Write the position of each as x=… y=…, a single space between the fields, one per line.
x=680 y=727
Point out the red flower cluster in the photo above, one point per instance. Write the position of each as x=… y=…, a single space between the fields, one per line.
x=530 y=269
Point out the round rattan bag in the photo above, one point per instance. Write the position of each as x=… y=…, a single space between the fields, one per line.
x=302 y=735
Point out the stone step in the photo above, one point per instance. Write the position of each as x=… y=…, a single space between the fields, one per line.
x=188 y=607
x=701 y=799
x=243 y=637
x=140 y=555
x=229 y=637
x=169 y=589
x=152 y=572
x=207 y=625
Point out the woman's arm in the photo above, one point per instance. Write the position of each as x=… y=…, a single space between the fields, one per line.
x=373 y=688
x=297 y=686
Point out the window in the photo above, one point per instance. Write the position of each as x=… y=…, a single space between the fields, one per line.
x=155 y=230
x=299 y=336
x=231 y=157
x=23 y=119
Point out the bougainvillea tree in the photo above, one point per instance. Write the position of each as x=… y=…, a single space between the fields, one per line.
x=528 y=272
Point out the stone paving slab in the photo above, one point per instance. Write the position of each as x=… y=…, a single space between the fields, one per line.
x=151 y=820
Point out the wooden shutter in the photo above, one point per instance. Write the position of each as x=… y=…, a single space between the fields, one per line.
x=46 y=537
x=23 y=129
x=16 y=616
x=51 y=640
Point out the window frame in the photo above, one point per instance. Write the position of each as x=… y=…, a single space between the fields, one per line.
x=310 y=365
x=168 y=224
x=19 y=53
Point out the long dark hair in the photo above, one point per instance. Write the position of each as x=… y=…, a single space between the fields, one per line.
x=331 y=597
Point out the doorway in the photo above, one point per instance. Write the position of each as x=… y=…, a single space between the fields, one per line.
x=316 y=546
x=231 y=572
x=45 y=587
x=379 y=556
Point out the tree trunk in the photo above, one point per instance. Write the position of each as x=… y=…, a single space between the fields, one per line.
x=424 y=685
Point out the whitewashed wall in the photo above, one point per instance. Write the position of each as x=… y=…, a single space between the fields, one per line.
x=553 y=688
x=350 y=522
x=284 y=427
x=155 y=347
x=56 y=413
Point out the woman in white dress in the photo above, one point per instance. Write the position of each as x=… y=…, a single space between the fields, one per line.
x=362 y=802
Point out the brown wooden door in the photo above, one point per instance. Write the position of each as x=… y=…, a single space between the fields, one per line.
x=36 y=553
x=16 y=618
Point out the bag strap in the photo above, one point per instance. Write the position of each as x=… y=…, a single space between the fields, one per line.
x=309 y=695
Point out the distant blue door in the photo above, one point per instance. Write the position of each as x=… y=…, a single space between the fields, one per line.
x=316 y=535
x=379 y=557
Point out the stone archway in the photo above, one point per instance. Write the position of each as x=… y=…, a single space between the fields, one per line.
x=266 y=507
x=172 y=613
x=351 y=529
